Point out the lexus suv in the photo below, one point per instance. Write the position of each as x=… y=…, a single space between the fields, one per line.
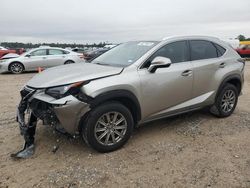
x=133 y=83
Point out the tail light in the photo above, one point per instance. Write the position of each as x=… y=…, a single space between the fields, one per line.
x=242 y=60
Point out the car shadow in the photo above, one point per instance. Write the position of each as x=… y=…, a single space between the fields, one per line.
x=181 y=124
x=26 y=72
x=175 y=121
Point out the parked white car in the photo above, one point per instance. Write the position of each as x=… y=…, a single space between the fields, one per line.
x=44 y=57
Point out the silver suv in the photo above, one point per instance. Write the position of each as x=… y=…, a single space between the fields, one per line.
x=133 y=83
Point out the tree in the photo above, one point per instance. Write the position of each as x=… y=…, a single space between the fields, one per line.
x=15 y=45
x=241 y=37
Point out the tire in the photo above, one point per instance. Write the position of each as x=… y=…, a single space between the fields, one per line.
x=69 y=62
x=103 y=135
x=16 y=68
x=225 y=102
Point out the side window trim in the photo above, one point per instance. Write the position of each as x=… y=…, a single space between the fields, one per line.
x=189 y=50
x=219 y=54
x=188 y=53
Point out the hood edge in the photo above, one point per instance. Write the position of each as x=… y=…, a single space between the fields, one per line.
x=37 y=88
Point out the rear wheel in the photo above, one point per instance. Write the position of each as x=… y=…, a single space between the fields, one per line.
x=69 y=62
x=108 y=127
x=226 y=101
x=16 y=68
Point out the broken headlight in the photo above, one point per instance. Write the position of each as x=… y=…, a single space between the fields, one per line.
x=63 y=91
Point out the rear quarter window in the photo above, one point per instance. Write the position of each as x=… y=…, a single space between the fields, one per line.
x=220 y=50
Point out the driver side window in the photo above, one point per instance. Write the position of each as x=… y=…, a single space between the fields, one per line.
x=177 y=52
x=38 y=53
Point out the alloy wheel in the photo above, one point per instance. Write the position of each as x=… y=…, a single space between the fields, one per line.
x=16 y=68
x=110 y=128
x=228 y=101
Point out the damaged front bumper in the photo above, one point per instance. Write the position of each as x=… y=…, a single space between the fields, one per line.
x=65 y=112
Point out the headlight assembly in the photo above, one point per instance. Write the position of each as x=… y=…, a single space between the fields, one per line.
x=63 y=91
x=3 y=60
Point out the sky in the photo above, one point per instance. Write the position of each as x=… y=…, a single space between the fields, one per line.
x=89 y=21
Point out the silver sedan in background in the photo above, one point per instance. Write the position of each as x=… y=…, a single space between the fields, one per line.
x=44 y=57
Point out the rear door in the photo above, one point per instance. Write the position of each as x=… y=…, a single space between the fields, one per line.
x=207 y=66
x=55 y=57
x=167 y=87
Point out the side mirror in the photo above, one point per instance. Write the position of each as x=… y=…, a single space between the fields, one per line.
x=159 y=62
x=28 y=55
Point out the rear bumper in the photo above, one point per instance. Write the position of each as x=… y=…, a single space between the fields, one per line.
x=66 y=111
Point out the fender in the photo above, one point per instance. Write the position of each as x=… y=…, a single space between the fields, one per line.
x=118 y=95
x=227 y=79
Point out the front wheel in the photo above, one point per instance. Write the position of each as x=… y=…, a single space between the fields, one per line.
x=108 y=127
x=226 y=101
x=16 y=68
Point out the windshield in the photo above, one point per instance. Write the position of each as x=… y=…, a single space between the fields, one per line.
x=125 y=54
x=27 y=52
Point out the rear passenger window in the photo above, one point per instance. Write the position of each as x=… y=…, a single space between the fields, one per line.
x=55 y=52
x=201 y=49
x=220 y=49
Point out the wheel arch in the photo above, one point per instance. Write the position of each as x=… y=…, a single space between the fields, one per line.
x=69 y=60
x=234 y=79
x=125 y=97
x=16 y=62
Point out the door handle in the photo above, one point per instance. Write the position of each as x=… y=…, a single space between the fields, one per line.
x=186 y=73
x=44 y=57
x=222 y=65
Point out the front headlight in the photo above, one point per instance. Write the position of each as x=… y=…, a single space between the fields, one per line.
x=3 y=60
x=63 y=91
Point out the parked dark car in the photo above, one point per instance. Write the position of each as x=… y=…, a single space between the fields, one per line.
x=79 y=50
x=92 y=54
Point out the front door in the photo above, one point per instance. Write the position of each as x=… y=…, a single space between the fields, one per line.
x=167 y=88
x=36 y=59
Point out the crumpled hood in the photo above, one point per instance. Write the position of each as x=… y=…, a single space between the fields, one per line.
x=71 y=73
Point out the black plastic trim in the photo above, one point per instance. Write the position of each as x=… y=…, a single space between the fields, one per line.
x=116 y=95
x=227 y=79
